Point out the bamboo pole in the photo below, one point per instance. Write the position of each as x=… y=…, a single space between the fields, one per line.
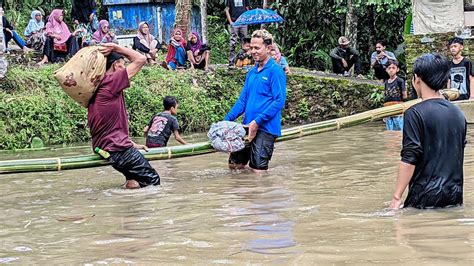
x=164 y=153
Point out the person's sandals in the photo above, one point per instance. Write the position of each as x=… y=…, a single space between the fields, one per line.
x=164 y=65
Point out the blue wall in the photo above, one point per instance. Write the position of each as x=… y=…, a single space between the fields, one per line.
x=124 y=18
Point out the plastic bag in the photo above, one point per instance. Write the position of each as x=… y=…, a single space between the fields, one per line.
x=227 y=136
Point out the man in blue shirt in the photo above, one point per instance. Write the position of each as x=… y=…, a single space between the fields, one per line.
x=261 y=100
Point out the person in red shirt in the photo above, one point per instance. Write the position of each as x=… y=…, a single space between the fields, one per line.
x=108 y=120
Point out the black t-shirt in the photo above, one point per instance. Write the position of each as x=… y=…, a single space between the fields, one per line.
x=394 y=90
x=459 y=77
x=236 y=8
x=434 y=137
x=160 y=128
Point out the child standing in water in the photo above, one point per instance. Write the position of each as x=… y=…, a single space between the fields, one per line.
x=434 y=137
x=163 y=124
x=395 y=92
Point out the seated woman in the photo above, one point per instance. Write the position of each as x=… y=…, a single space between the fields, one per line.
x=176 y=57
x=58 y=38
x=198 y=53
x=104 y=34
x=34 y=31
x=276 y=54
x=244 y=57
x=146 y=43
x=10 y=34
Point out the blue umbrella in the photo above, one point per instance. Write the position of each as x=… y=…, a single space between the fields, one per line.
x=258 y=16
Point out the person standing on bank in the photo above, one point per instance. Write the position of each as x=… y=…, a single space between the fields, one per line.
x=233 y=9
x=108 y=120
x=434 y=137
x=261 y=101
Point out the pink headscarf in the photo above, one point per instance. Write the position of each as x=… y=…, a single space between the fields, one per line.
x=54 y=26
x=144 y=39
x=99 y=34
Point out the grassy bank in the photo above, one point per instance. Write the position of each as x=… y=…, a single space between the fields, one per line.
x=33 y=104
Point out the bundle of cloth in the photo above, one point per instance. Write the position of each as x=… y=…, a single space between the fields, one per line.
x=227 y=136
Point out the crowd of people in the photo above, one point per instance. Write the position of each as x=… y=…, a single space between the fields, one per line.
x=434 y=131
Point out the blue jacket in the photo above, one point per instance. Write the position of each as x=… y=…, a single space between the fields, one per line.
x=262 y=98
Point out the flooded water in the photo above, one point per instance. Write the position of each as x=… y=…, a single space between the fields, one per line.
x=323 y=202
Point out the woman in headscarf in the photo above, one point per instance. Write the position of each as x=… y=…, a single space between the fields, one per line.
x=279 y=58
x=34 y=31
x=58 y=38
x=104 y=34
x=146 y=43
x=198 y=52
x=176 y=57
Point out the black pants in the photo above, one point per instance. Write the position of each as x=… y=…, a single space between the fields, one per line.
x=259 y=152
x=380 y=72
x=338 y=67
x=133 y=165
x=48 y=50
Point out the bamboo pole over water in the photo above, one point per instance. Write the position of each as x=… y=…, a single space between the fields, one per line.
x=85 y=161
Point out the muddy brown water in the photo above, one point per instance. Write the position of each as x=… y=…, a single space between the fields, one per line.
x=323 y=202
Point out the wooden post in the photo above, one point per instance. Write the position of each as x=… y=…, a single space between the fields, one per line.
x=3 y=62
x=203 y=7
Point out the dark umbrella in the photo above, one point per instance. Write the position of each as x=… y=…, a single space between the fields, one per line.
x=258 y=16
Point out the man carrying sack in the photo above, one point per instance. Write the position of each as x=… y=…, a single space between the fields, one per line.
x=108 y=122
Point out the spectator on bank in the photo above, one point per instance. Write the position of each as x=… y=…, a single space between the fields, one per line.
x=104 y=34
x=146 y=43
x=197 y=52
x=233 y=9
x=379 y=60
x=10 y=34
x=59 y=40
x=83 y=12
x=176 y=57
x=279 y=58
x=461 y=71
x=244 y=57
x=34 y=31
x=344 y=58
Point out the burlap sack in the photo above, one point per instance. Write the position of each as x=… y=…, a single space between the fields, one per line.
x=81 y=75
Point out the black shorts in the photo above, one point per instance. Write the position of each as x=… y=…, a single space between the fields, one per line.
x=259 y=152
x=133 y=165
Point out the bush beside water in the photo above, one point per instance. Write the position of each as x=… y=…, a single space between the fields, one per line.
x=32 y=103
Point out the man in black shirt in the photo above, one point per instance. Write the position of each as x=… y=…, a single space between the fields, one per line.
x=434 y=137
x=233 y=9
x=461 y=71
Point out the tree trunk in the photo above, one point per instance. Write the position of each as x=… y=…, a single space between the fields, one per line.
x=265 y=5
x=183 y=16
x=203 y=7
x=350 y=30
x=3 y=62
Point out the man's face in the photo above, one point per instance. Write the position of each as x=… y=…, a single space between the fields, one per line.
x=379 y=47
x=260 y=51
x=119 y=64
x=392 y=70
x=344 y=46
x=455 y=48
x=174 y=110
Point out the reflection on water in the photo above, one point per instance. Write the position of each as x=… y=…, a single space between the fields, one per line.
x=323 y=202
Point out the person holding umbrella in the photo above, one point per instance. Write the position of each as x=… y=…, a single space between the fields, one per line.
x=233 y=9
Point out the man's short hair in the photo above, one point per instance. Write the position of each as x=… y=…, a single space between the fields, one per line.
x=392 y=62
x=111 y=58
x=433 y=69
x=168 y=102
x=263 y=34
x=456 y=40
x=382 y=42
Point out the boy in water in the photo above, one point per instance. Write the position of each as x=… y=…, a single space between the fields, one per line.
x=434 y=137
x=395 y=92
x=461 y=71
x=163 y=124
